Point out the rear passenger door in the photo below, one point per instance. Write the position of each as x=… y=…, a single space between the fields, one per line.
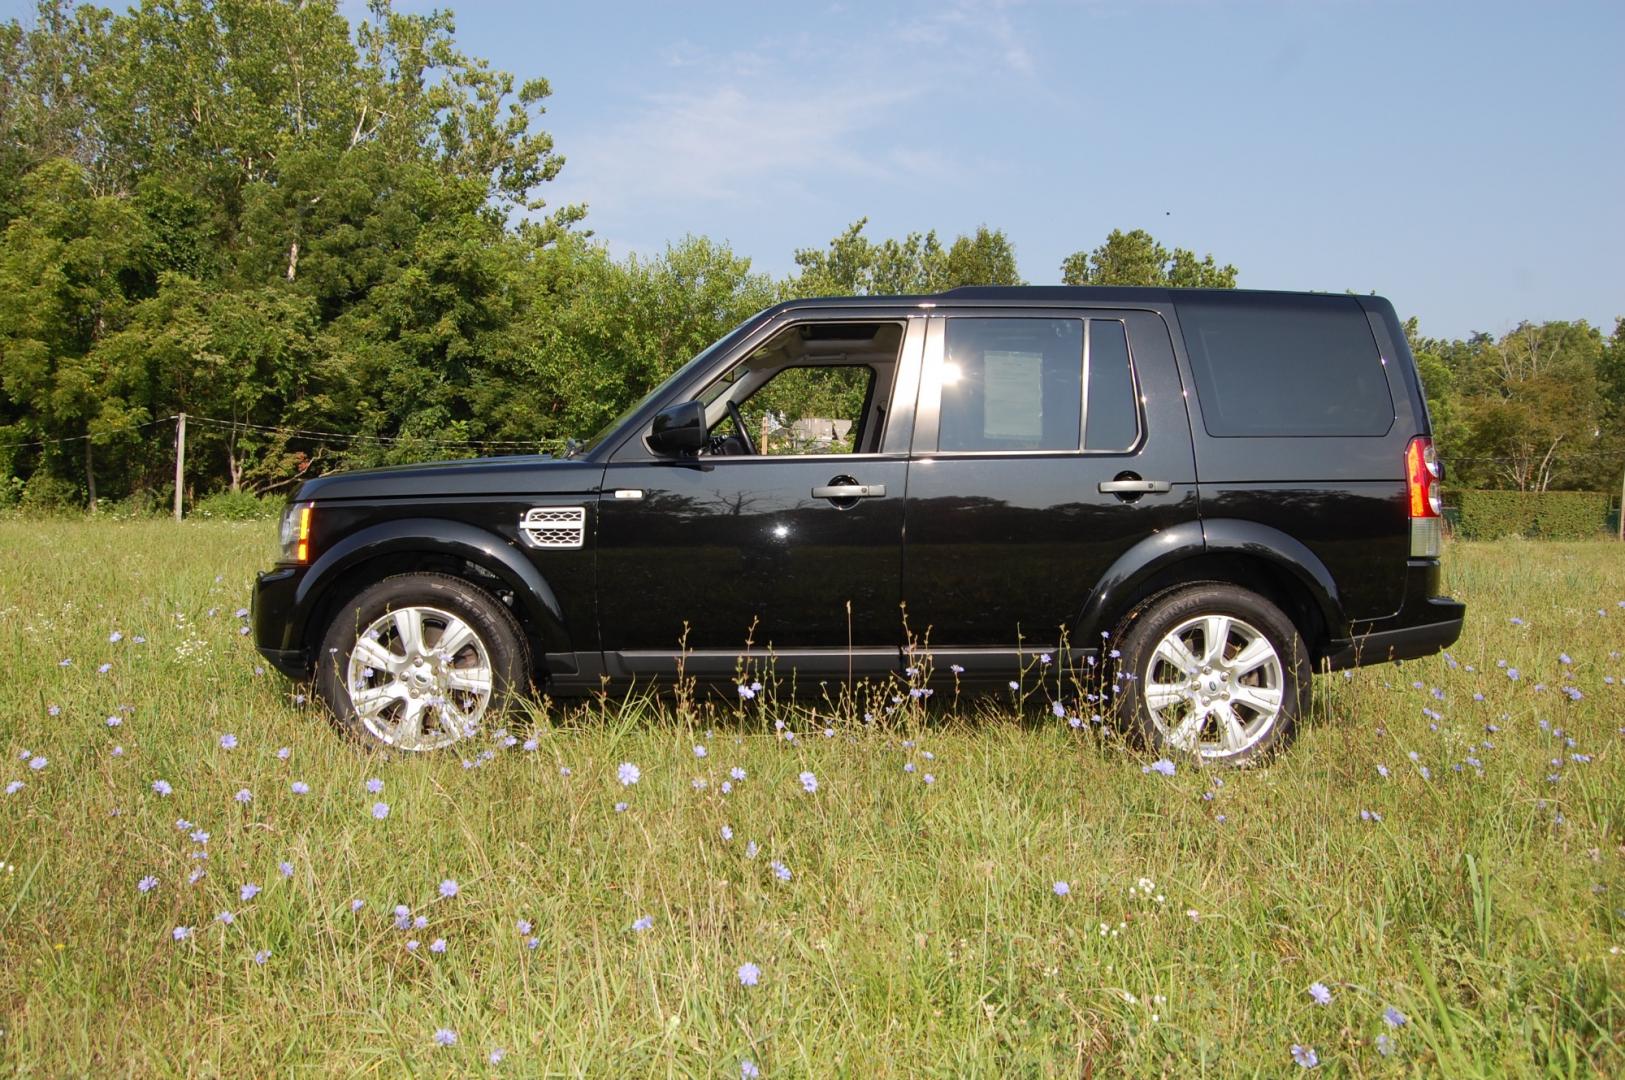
x=1048 y=442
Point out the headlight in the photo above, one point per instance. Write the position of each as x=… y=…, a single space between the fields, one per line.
x=295 y=532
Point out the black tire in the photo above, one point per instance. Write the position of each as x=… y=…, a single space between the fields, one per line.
x=1146 y=628
x=490 y=627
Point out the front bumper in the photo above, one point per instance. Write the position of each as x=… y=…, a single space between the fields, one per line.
x=271 y=616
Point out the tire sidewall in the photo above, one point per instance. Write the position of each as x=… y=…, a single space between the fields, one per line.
x=490 y=621
x=1144 y=630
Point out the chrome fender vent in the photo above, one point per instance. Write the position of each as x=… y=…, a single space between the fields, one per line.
x=553 y=526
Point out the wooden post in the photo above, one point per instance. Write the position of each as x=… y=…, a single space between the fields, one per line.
x=180 y=462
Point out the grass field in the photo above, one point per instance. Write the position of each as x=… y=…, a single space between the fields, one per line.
x=1441 y=852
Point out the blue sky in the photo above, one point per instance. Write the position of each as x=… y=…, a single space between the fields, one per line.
x=1464 y=159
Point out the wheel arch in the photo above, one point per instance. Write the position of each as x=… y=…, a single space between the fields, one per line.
x=1242 y=553
x=415 y=545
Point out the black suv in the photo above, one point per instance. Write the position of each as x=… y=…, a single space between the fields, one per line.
x=1212 y=494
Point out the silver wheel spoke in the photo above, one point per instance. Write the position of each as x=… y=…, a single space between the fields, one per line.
x=452 y=640
x=1258 y=651
x=375 y=656
x=374 y=699
x=1159 y=696
x=473 y=680
x=1215 y=633
x=1187 y=736
x=1232 y=736
x=409 y=626
x=1173 y=650
x=1265 y=700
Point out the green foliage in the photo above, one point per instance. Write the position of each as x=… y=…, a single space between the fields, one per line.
x=1546 y=515
x=238 y=506
x=854 y=265
x=1136 y=258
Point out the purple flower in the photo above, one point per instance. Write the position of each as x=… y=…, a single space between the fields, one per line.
x=746 y=692
x=225 y=917
x=621 y=808
x=780 y=871
x=496 y=1055
x=727 y=832
x=245 y=796
x=438 y=945
x=736 y=773
x=1161 y=765
x=700 y=751
x=628 y=774
x=282 y=753
x=14 y=787
x=523 y=926
x=445 y=1037
x=37 y=763
x=749 y=974
x=448 y=889
x=1385 y=1045
x=1394 y=1018
x=1061 y=888
x=809 y=782
x=1319 y=994
x=286 y=868
x=642 y=923
x=299 y=787
x=375 y=785
x=748 y=1070
x=228 y=741
x=1512 y=673
x=162 y=787
x=248 y=891
x=147 y=884
x=412 y=946
x=357 y=904
x=957 y=670
x=181 y=933
x=262 y=956
x=1305 y=1056
x=380 y=810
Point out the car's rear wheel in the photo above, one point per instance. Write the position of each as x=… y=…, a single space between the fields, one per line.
x=1217 y=672
x=420 y=661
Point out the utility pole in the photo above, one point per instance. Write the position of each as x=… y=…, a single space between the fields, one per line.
x=1622 y=506
x=180 y=462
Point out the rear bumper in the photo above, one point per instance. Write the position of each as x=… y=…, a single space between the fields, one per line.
x=1432 y=625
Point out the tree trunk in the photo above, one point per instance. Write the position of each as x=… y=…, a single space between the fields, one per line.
x=90 y=475
x=293 y=260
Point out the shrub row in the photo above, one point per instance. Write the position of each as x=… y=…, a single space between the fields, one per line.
x=1546 y=515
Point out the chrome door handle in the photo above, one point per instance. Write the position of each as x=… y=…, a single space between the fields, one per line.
x=849 y=491
x=1134 y=487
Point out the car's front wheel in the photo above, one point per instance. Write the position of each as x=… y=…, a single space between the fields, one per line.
x=1216 y=671
x=419 y=661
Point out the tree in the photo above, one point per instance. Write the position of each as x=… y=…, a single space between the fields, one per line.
x=1136 y=258
x=854 y=265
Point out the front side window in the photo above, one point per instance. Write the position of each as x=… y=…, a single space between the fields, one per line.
x=815 y=388
x=1018 y=384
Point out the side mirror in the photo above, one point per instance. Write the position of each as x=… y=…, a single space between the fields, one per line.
x=679 y=429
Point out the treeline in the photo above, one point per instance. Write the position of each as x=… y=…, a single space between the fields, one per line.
x=333 y=240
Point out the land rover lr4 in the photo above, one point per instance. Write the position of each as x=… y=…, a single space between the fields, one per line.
x=1210 y=494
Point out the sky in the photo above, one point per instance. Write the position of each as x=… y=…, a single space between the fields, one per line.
x=1466 y=160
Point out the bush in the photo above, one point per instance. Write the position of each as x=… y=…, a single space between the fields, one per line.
x=48 y=496
x=237 y=506
x=1545 y=515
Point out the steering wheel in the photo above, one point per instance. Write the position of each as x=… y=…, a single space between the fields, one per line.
x=740 y=429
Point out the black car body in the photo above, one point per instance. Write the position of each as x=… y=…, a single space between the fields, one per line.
x=1023 y=467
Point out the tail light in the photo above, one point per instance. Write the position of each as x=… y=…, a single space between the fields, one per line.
x=1422 y=475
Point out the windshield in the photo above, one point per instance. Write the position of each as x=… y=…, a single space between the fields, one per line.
x=682 y=372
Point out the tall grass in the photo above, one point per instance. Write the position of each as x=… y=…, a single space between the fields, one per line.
x=920 y=931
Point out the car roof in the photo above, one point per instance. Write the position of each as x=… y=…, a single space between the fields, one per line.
x=1081 y=294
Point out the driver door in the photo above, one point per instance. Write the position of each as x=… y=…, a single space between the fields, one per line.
x=783 y=536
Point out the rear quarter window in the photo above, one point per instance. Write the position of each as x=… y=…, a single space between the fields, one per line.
x=1285 y=366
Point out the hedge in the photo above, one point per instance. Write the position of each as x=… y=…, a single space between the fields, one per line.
x=1546 y=515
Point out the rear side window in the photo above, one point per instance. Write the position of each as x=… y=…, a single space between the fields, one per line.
x=1284 y=366
x=1019 y=384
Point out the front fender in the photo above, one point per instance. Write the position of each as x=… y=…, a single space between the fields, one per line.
x=438 y=536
